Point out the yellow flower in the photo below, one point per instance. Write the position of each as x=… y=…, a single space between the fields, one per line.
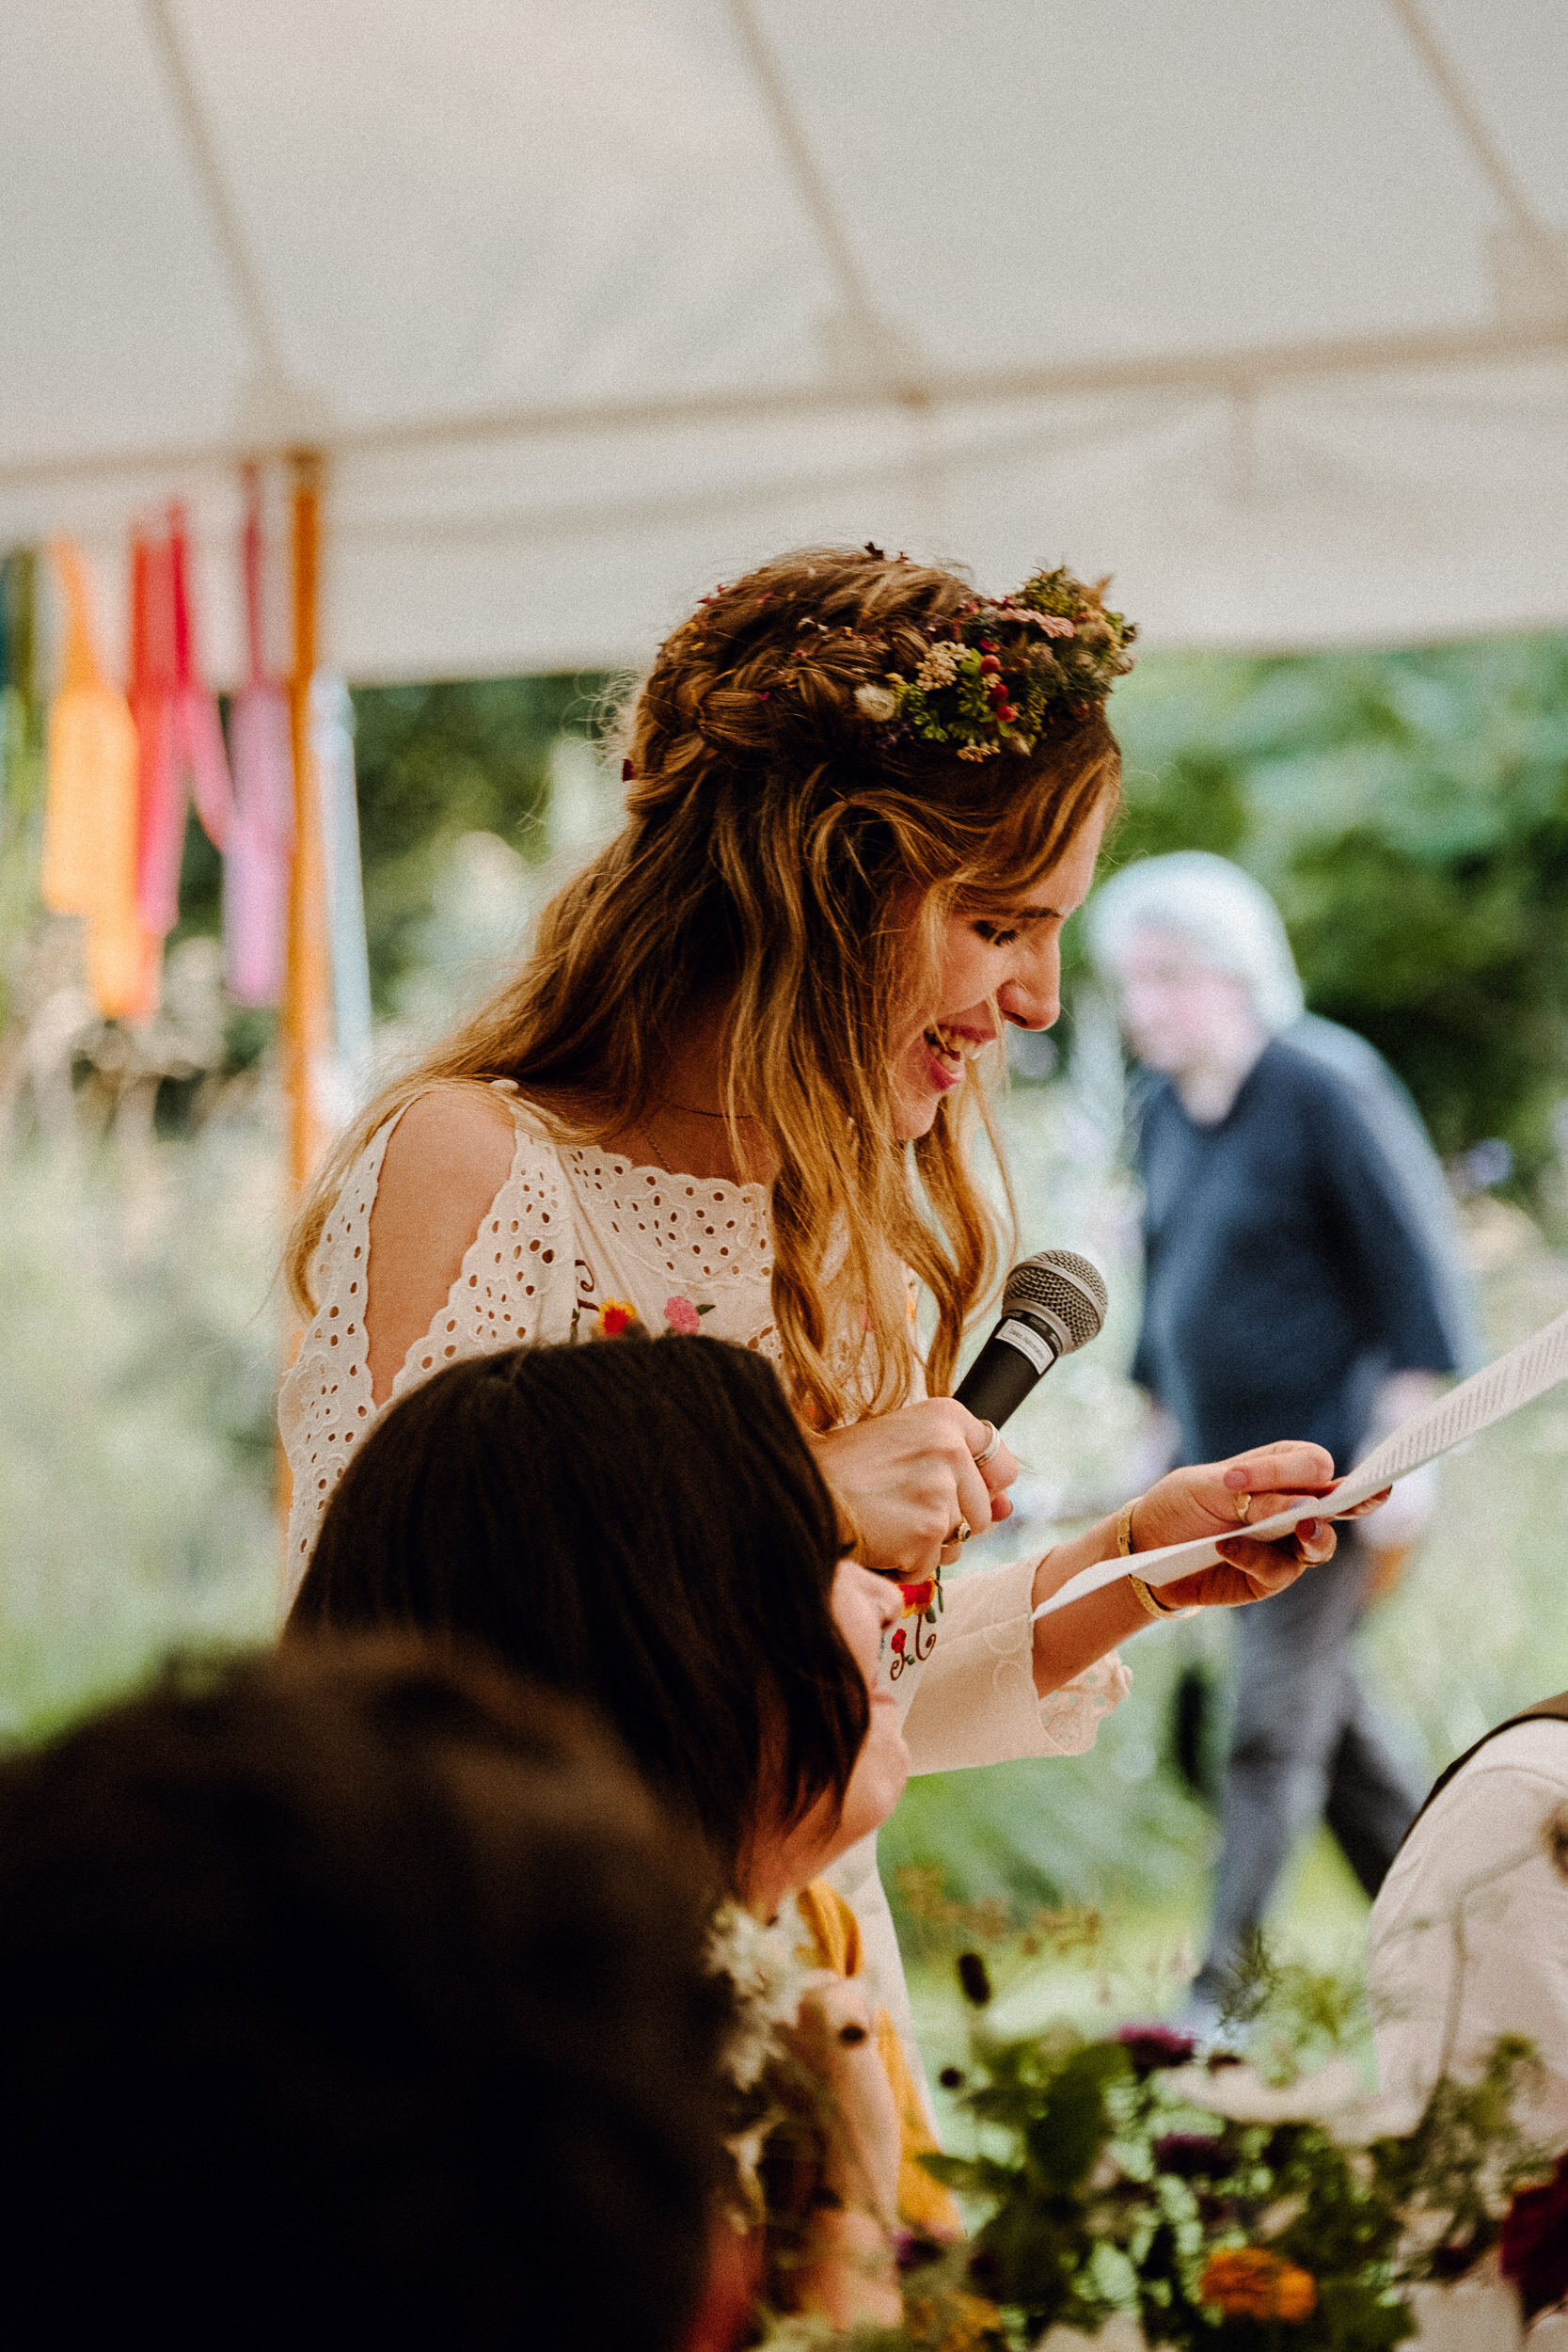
x=614 y=1315
x=1250 y=2283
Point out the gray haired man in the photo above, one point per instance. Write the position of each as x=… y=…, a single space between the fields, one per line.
x=1301 y=1272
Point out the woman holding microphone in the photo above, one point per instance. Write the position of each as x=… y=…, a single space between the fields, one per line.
x=732 y=1092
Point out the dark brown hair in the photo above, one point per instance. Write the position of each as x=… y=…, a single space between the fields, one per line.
x=638 y=1523
x=351 y=1997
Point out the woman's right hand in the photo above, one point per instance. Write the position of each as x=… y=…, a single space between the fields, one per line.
x=909 y=1477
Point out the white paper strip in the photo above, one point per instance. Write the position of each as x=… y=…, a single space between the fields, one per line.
x=1517 y=1379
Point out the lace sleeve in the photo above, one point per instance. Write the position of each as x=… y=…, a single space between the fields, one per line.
x=325 y=1403
x=518 y=1279
x=516 y=1284
x=974 y=1700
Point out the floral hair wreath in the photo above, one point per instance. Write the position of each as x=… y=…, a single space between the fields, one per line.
x=1000 y=669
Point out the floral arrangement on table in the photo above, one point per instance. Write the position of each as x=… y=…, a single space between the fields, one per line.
x=1131 y=2179
x=1129 y=2192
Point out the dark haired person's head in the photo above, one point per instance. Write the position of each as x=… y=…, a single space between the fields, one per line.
x=639 y=1523
x=354 y=1996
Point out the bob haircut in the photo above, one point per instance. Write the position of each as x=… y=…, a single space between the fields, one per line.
x=638 y=1523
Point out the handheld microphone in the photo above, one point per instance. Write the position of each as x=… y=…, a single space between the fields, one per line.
x=1053 y=1304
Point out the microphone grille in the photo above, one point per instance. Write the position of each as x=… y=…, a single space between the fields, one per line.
x=1069 y=1289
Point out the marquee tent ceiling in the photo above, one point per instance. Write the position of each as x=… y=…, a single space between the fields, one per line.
x=1263 y=306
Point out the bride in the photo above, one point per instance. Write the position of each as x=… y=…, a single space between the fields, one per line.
x=732 y=1091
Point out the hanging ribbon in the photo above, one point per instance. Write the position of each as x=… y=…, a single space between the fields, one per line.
x=177 y=723
x=162 y=812
x=332 y=755
x=306 y=1009
x=90 y=813
x=260 y=843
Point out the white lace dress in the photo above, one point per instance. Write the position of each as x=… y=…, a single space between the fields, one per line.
x=571 y=1227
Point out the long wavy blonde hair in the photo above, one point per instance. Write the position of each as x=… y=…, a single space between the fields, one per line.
x=772 y=832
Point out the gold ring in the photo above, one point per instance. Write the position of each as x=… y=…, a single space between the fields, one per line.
x=960 y=1534
x=990 y=1445
x=1243 y=1506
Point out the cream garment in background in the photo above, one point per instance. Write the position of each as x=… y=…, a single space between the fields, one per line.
x=571 y=1227
x=1468 y=1938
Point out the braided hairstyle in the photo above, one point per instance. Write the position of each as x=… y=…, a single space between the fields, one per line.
x=777 y=835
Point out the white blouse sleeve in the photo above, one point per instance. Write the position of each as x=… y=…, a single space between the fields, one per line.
x=974 y=1700
x=517 y=1281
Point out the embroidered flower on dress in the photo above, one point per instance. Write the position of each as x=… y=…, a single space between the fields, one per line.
x=615 y=1316
x=682 y=1316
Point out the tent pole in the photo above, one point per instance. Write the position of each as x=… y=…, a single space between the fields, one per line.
x=304 y=1033
x=305 y=999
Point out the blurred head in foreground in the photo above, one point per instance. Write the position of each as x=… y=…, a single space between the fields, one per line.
x=640 y=1523
x=1197 y=952
x=353 y=1997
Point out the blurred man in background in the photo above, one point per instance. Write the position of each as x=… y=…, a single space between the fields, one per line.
x=1302 y=1279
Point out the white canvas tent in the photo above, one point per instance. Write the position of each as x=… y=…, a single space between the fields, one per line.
x=1263 y=306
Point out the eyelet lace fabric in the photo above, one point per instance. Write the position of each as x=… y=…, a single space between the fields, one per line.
x=324 y=1403
x=570 y=1228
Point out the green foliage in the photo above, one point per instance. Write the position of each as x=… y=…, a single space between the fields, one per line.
x=1459 y=2166
x=437 y=761
x=1296 y=2015
x=1410 y=811
x=1121 y=2176
x=432 y=762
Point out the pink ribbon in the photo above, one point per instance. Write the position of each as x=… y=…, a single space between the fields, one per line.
x=260 y=839
x=176 y=725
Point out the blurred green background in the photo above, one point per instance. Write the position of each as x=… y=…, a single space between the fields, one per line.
x=1410 y=810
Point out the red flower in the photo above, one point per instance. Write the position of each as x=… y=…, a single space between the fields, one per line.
x=988 y=663
x=1007 y=713
x=1153 y=2047
x=900 y=1638
x=1533 y=2247
x=918 y=1598
x=614 y=1316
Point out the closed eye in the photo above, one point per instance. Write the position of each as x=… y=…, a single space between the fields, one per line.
x=1000 y=930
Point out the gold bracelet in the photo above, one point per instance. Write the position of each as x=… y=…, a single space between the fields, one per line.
x=1124 y=1528
x=1146 y=1597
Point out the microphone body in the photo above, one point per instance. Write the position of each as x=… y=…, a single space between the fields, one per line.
x=1053 y=1304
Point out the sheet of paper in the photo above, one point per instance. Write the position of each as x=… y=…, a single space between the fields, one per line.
x=1517 y=1379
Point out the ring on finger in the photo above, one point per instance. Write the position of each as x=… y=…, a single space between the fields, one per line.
x=990 y=1445
x=960 y=1534
x=1243 y=1506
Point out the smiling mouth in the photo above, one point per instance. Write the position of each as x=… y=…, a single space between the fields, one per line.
x=948 y=1051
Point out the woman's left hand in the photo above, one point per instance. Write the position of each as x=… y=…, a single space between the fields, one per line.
x=1189 y=1504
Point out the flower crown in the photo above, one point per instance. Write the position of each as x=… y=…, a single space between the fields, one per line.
x=999 y=671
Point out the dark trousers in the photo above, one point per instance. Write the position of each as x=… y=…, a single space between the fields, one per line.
x=1307 y=1746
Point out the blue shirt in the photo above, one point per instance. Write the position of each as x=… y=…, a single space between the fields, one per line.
x=1297 y=1252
